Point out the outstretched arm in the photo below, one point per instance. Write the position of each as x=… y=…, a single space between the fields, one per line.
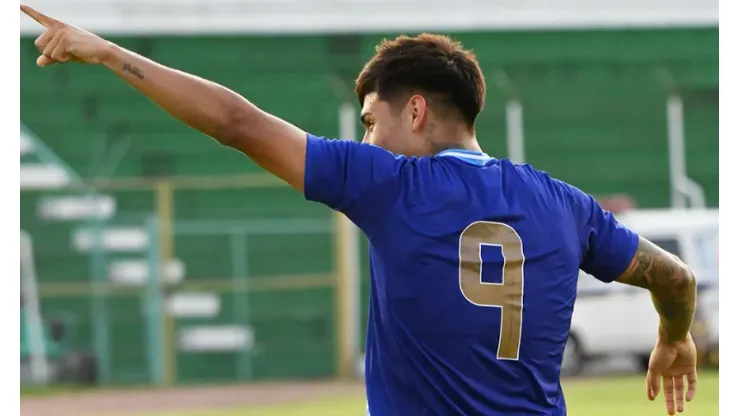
x=272 y=143
x=353 y=178
x=671 y=284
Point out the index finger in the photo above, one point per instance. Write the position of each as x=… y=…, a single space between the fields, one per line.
x=43 y=19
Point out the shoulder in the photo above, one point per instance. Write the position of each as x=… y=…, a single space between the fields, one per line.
x=530 y=173
x=523 y=177
x=555 y=187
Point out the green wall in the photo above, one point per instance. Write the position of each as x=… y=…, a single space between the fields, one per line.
x=594 y=102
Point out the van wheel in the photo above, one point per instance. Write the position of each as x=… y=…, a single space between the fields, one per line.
x=574 y=360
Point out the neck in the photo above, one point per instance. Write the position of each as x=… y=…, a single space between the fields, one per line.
x=469 y=143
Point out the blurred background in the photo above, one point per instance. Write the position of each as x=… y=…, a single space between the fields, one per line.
x=153 y=257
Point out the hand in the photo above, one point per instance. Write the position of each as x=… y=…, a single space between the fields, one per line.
x=673 y=362
x=61 y=43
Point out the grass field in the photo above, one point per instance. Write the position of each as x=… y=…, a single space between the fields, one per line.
x=623 y=396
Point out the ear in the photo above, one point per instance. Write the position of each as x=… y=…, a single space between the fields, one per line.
x=419 y=109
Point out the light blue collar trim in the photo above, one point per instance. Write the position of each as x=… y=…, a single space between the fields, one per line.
x=468 y=156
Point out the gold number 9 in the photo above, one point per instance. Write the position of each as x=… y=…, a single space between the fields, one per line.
x=507 y=295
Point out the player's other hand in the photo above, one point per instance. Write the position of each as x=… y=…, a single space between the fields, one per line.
x=675 y=365
x=61 y=43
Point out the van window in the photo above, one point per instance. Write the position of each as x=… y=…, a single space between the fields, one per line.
x=668 y=244
x=707 y=247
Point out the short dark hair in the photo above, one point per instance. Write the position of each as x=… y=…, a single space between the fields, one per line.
x=435 y=64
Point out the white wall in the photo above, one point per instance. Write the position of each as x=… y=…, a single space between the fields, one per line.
x=281 y=16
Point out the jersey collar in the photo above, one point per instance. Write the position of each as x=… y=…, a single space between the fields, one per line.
x=467 y=156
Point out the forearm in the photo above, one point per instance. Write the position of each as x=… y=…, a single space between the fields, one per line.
x=671 y=284
x=206 y=106
x=676 y=306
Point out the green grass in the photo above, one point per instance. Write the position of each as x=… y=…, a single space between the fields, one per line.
x=626 y=396
x=34 y=391
x=623 y=396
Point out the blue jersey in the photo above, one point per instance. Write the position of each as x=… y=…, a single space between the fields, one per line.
x=473 y=265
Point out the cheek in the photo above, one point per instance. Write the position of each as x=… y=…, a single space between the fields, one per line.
x=387 y=135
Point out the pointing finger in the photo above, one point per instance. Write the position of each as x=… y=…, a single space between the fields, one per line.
x=43 y=19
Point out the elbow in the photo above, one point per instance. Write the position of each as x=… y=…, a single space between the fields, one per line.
x=690 y=278
x=236 y=125
x=686 y=276
x=672 y=279
x=232 y=129
x=681 y=282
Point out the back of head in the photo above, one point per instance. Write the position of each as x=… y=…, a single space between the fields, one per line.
x=446 y=77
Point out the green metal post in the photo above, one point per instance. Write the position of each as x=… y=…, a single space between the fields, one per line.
x=99 y=310
x=239 y=267
x=154 y=306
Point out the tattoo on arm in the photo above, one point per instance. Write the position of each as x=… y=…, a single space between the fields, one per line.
x=671 y=284
x=131 y=69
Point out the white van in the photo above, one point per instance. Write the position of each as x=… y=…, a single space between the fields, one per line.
x=620 y=320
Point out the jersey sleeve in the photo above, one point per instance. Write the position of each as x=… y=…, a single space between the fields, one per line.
x=359 y=180
x=607 y=245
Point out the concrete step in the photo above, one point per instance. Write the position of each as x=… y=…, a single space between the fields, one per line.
x=77 y=207
x=119 y=239
x=37 y=175
x=136 y=272
x=194 y=305
x=216 y=338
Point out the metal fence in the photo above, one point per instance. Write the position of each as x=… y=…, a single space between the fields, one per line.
x=196 y=279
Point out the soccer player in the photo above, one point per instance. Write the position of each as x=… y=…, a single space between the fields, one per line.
x=473 y=260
